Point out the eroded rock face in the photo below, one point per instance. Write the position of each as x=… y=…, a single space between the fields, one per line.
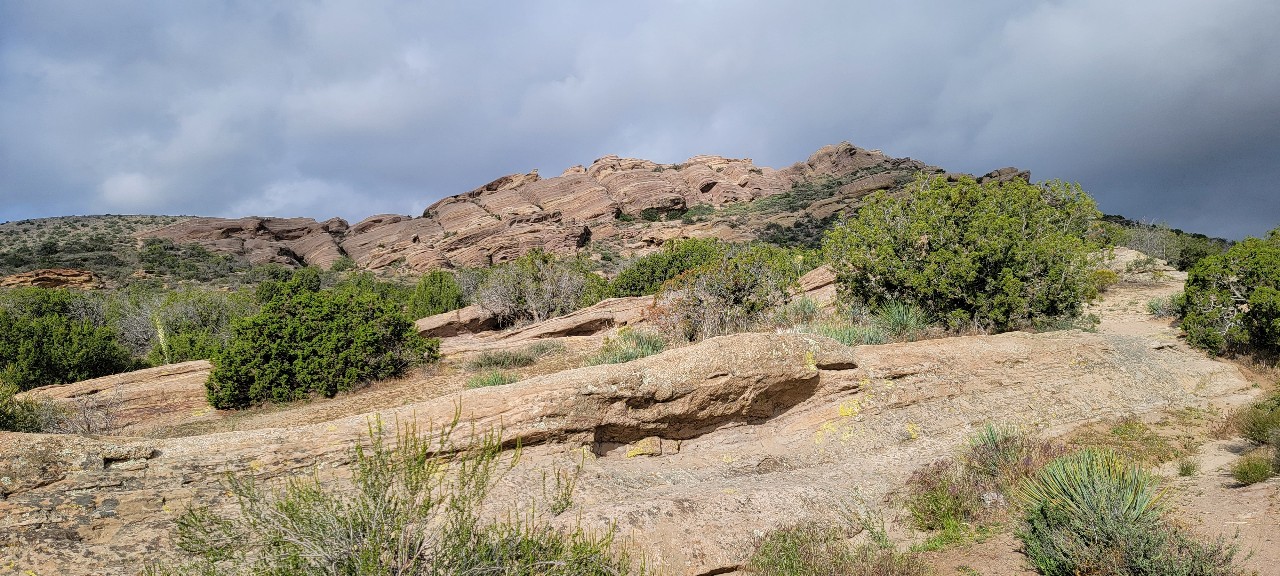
x=288 y=241
x=506 y=218
x=53 y=278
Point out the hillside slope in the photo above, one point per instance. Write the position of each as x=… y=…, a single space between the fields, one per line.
x=617 y=205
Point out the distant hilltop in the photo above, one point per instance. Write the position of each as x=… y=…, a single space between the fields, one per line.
x=623 y=205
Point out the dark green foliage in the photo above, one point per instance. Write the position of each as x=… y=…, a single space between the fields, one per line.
x=1231 y=303
x=194 y=324
x=436 y=292
x=1092 y=512
x=999 y=256
x=646 y=274
x=805 y=232
x=50 y=337
x=308 y=341
x=186 y=261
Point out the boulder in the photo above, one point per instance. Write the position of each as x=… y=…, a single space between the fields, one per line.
x=467 y=320
x=53 y=278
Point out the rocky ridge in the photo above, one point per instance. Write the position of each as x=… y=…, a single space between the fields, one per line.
x=606 y=203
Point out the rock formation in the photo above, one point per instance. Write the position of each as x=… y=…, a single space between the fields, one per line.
x=53 y=278
x=605 y=202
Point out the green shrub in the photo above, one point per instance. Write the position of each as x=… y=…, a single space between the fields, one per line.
x=413 y=509
x=950 y=495
x=1188 y=467
x=538 y=286
x=1252 y=469
x=815 y=550
x=1232 y=300
x=849 y=334
x=628 y=345
x=1103 y=279
x=55 y=337
x=192 y=324
x=731 y=294
x=1093 y=512
x=26 y=414
x=436 y=293
x=309 y=341
x=1165 y=307
x=342 y=264
x=1000 y=256
x=646 y=274
x=518 y=358
x=491 y=378
x=1260 y=422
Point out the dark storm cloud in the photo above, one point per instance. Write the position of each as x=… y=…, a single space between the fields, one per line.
x=1163 y=110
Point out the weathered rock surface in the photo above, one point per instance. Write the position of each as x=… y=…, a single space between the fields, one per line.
x=288 y=241
x=143 y=402
x=467 y=320
x=53 y=278
x=514 y=214
x=697 y=450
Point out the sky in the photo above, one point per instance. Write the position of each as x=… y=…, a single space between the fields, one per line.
x=1164 y=110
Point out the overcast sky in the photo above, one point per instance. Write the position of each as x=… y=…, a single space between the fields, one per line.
x=1162 y=109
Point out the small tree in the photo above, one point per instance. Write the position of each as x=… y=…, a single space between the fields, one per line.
x=308 y=341
x=646 y=274
x=46 y=337
x=1000 y=256
x=436 y=293
x=1232 y=300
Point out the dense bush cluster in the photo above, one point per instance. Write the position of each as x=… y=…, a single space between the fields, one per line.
x=1232 y=300
x=646 y=274
x=307 y=340
x=733 y=293
x=997 y=256
x=537 y=286
x=436 y=292
x=54 y=337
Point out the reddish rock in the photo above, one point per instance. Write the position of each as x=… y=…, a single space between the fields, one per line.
x=53 y=278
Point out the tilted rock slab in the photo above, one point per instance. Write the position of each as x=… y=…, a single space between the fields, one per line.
x=728 y=439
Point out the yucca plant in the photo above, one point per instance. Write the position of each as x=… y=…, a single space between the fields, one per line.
x=902 y=321
x=1094 y=484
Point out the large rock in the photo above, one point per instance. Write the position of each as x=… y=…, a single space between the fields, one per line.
x=693 y=453
x=466 y=320
x=53 y=278
x=288 y=241
x=599 y=203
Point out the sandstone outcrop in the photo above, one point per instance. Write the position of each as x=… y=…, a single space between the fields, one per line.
x=288 y=241
x=605 y=202
x=694 y=452
x=53 y=278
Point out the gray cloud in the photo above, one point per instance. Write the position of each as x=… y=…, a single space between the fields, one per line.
x=1162 y=110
